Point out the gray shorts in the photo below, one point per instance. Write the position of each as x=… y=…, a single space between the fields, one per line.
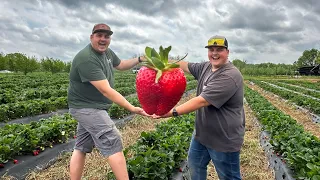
x=96 y=128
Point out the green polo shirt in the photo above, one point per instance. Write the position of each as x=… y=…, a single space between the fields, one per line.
x=89 y=65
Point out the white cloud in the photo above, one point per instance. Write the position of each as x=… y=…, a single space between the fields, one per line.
x=257 y=31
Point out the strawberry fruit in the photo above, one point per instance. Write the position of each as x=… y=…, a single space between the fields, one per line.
x=35 y=152
x=15 y=161
x=160 y=84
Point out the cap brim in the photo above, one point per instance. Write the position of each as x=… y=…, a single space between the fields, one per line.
x=215 y=46
x=109 y=32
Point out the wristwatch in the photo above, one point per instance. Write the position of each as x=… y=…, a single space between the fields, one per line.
x=174 y=112
x=139 y=59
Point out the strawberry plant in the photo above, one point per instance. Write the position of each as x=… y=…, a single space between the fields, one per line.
x=19 y=139
x=296 y=147
x=160 y=84
x=157 y=154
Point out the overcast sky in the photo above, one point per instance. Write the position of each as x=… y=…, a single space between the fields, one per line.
x=257 y=30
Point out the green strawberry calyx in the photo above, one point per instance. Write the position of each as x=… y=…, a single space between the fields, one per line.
x=159 y=61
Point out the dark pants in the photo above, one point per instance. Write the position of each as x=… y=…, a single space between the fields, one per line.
x=227 y=164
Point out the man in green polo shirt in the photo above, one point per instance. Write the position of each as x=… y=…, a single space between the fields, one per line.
x=90 y=95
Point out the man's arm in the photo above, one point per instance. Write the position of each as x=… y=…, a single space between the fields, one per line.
x=184 y=66
x=104 y=87
x=127 y=64
x=189 y=106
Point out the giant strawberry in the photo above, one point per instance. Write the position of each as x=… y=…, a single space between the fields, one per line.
x=159 y=84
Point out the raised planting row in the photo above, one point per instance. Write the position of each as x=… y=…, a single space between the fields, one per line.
x=46 y=92
x=11 y=96
x=16 y=83
x=191 y=85
x=36 y=107
x=12 y=111
x=27 y=108
x=157 y=154
x=299 y=89
x=32 y=138
x=42 y=159
x=304 y=83
x=285 y=89
x=299 y=149
x=47 y=155
x=300 y=100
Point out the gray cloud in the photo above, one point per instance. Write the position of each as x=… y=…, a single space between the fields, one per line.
x=151 y=8
x=257 y=31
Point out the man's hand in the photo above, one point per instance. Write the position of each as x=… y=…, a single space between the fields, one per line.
x=140 y=111
x=143 y=59
x=168 y=114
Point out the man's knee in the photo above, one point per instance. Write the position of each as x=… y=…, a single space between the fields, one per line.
x=109 y=142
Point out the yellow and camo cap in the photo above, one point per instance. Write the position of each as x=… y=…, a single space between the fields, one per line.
x=217 y=41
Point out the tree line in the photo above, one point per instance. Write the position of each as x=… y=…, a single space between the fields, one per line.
x=308 y=58
x=268 y=69
x=18 y=62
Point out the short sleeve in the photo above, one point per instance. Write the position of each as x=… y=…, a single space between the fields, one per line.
x=115 y=59
x=219 y=90
x=90 y=71
x=196 y=69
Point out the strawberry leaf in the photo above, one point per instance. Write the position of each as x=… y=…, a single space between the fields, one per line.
x=158 y=63
x=166 y=54
x=148 y=55
x=161 y=53
x=155 y=54
x=148 y=51
x=172 y=66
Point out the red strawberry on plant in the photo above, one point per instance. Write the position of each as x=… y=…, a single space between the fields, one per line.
x=35 y=153
x=159 y=84
x=15 y=161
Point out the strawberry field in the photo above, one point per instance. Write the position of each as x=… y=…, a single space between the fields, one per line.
x=291 y=143
x=282 y=130
x=30 y=97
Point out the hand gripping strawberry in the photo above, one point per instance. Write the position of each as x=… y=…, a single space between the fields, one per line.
x=159 y=84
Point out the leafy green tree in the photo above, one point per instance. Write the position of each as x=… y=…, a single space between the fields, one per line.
x=239 y=64
x=3 y=62
x=25 y=64
x=57 y=66
x=46 y=64
x=33 y=64
x=12 y=61
x=318 y=58
x=52 y=65
x=308 y=58
x=67 y=67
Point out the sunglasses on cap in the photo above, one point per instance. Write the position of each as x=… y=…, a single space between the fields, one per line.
x=216 y=42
